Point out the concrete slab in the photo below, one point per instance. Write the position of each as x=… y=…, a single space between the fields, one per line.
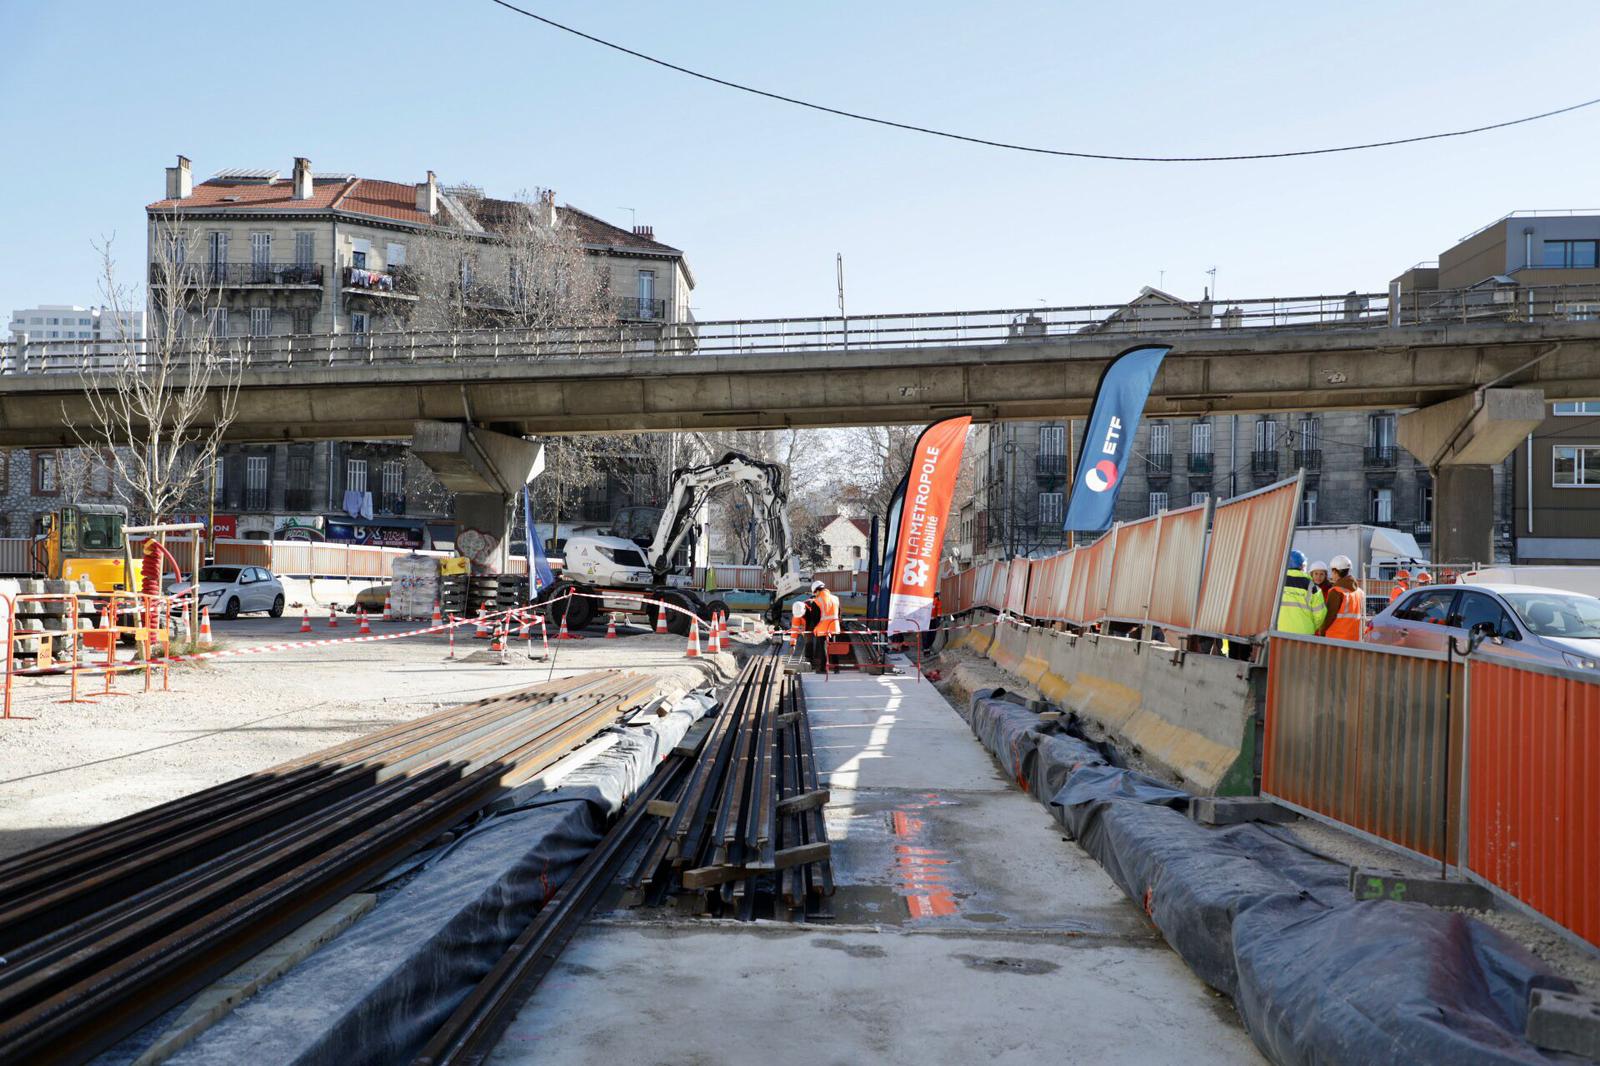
x=721 y=993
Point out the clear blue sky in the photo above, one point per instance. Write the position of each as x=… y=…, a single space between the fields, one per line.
x=98 y=97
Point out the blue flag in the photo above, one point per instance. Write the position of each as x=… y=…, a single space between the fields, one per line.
x=1118 y=403
x=540 y=576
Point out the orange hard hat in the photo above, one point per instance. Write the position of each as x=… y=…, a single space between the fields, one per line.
x=1402 y=575
x=1424 y=578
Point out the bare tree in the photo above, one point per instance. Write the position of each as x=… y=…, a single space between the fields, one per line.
x=158 y=408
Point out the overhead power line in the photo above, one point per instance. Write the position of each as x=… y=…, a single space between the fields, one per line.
x=1034 y=149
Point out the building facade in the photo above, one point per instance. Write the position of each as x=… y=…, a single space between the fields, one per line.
x=49 y=322
x=845 y=539
x=333 y=253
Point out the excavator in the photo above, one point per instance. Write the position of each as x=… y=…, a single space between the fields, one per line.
x=85 y=540
x=612 y=566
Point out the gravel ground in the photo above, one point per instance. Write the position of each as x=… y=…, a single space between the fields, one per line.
x=76 y=765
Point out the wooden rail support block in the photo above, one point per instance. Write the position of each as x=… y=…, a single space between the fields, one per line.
x=806 y=801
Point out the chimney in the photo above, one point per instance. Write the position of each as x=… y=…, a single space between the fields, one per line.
x=428 y=195
x=647 y=232
x=302 y=178
x=180 y=183
x=547 y=206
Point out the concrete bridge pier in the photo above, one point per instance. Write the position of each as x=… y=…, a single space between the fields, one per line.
x=1461 y=440
x=486 y=470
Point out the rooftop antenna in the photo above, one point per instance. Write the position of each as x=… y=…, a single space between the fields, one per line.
x=1213 y=275
x=1161 y=279
x=633 y=217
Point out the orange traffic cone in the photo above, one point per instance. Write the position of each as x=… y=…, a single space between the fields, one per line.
x=305 y=619
x=524 y=630
x=661 y=618
x=482 y=632
x=693 y=650
x=205 y=625
x=563 y=634
x=387 y=615
x=365 y=629
x=611 y=628
x=498 y=643
x=333 y=618
x=437 y=618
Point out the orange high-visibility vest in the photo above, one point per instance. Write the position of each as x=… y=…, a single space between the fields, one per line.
x=829 y=604
x=1400 y=589
x=1347 y=624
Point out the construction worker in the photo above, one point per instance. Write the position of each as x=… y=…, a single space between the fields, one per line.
x=797 y=627
x=1319 y=577
x=1424 y=578
x=827 y=623
x=933 y=622
x=1402 y=584
x=1302 y=609
x=1347 y=604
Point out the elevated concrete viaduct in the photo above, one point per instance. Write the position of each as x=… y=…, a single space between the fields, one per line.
x=531 y=389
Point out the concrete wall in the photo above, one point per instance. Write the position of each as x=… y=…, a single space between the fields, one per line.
x=1565 y=525
x=1189 y=717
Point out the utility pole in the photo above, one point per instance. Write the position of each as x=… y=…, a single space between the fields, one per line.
x=838 y=273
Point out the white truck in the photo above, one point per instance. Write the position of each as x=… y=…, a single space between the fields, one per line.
x=1376 y=551
x=1584 y=579
x=613 y=571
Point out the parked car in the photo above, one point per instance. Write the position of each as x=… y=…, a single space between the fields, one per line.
x=1533 y=624
x=231 y=590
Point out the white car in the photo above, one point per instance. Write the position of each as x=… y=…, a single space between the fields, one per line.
x=1532 y=624
x=232 y=590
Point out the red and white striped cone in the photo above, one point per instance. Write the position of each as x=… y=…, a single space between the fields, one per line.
x=661 y=618
x=205 y=625
x=333 y=618
x=524 y=630
x=437 y=618
x=305 y=619
x=611 y=628
x=482 y=632
x=498 y=644
x=388 y=616
x=563 y=634
x=365 y=630
x=693 y=649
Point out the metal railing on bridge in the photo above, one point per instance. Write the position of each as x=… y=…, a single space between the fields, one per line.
x=797 y=336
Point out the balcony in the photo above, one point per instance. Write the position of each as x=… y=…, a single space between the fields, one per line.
x=638 y=309
x=391 y=503
x=396 y=283
x=1308 y=458
x=256 y=499
x=243 y=275
x=1200 y=462
x=1158 y=466
x=1264 y=464
x=594 y=510
x=1380 y=455
x=1052 y=464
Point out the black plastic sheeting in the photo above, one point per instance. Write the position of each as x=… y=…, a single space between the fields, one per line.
x=1317 y=976
x=378 y=991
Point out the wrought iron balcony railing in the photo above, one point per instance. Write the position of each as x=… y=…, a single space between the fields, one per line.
x=1200 y=462
x=1052 y=464
x=1158 y=465
x=232 y=275
x=1308 y=458
x=634 y=307
x=1264 y=463
x=1380 y=455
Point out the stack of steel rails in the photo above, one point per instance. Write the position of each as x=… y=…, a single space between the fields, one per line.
x=744 y=836
x=104 y=931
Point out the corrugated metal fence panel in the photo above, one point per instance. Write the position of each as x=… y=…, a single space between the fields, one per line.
x=1180 y=557
x=1245 y=562
x=997 y=584
x=241 y=553
x=16 y=555
x=836 y=580
x=755 y=578
x=967 y=587
x=1356 y=733
x=1533 y=806
x=1017 y=586
x=1133 y=564
x=1047 y=586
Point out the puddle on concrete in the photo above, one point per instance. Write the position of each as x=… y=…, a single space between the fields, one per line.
x=855 y=951
x=1005 y=964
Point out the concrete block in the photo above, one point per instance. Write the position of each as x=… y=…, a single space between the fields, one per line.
x=1232 y=810
x=1564 y=1021
x=1367 y=883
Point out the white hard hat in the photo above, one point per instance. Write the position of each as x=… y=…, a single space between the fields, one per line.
x=1340 y=562
x=817 y=586
x=1318 y=566
x=799 y=608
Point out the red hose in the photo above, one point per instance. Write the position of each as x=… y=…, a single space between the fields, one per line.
x=150 y=575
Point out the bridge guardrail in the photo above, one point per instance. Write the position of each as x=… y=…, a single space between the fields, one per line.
x=780 y=336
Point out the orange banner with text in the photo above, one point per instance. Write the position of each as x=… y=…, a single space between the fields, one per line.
x=930 y=488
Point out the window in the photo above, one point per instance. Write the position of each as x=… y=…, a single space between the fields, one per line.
x=1380 y=506
x=1380 y=431
x=305 y=248
x=1425 y=504
x=1475 y=608
x=1050 y=508
x=360 y=251
x=55 y=322
x=1308 y=507
x=219 y=322
x=1575 y=466
x=515 y=273
x=1200 y=438
x=355 y=475
x=1052 y=440
x=394 y=255
x=1197 y=498
x=1310 y=434
x=261 y=322
x=1429 y=605
x=44 y=474
x=1158 y=502
x=1571 y=255
x=394 y=477
x=1580 y=407
x=358 y=322
x=260 y=253
x=302 y=321
x=255 y=483
x=1160 y=438
x=217 y=247
x=1266 y=434
x=466 y=273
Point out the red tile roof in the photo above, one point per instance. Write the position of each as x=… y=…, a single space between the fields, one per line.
x=244 y=196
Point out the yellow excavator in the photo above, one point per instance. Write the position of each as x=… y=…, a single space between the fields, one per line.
x=85 y=540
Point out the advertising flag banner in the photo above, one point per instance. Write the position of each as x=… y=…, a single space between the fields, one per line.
x=540 y=576
x=1118 y=403
x=878 y=606
x=919 y=532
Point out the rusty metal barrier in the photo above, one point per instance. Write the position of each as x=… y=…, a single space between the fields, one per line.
x=1016 y=601
x=1179 y=566
x=1357 y=734
x=1533 y=789
x=1132 y=569
x=1245 y=563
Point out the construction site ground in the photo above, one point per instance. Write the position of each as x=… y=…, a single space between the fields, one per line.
x=965 y=929
x=69 y=766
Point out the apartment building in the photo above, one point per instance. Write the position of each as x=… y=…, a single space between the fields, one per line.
x=1530 y=265
x=313 y=253
x=69 y=322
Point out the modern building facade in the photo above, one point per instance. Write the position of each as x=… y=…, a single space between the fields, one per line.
x=49 y=322
x=317 y=253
